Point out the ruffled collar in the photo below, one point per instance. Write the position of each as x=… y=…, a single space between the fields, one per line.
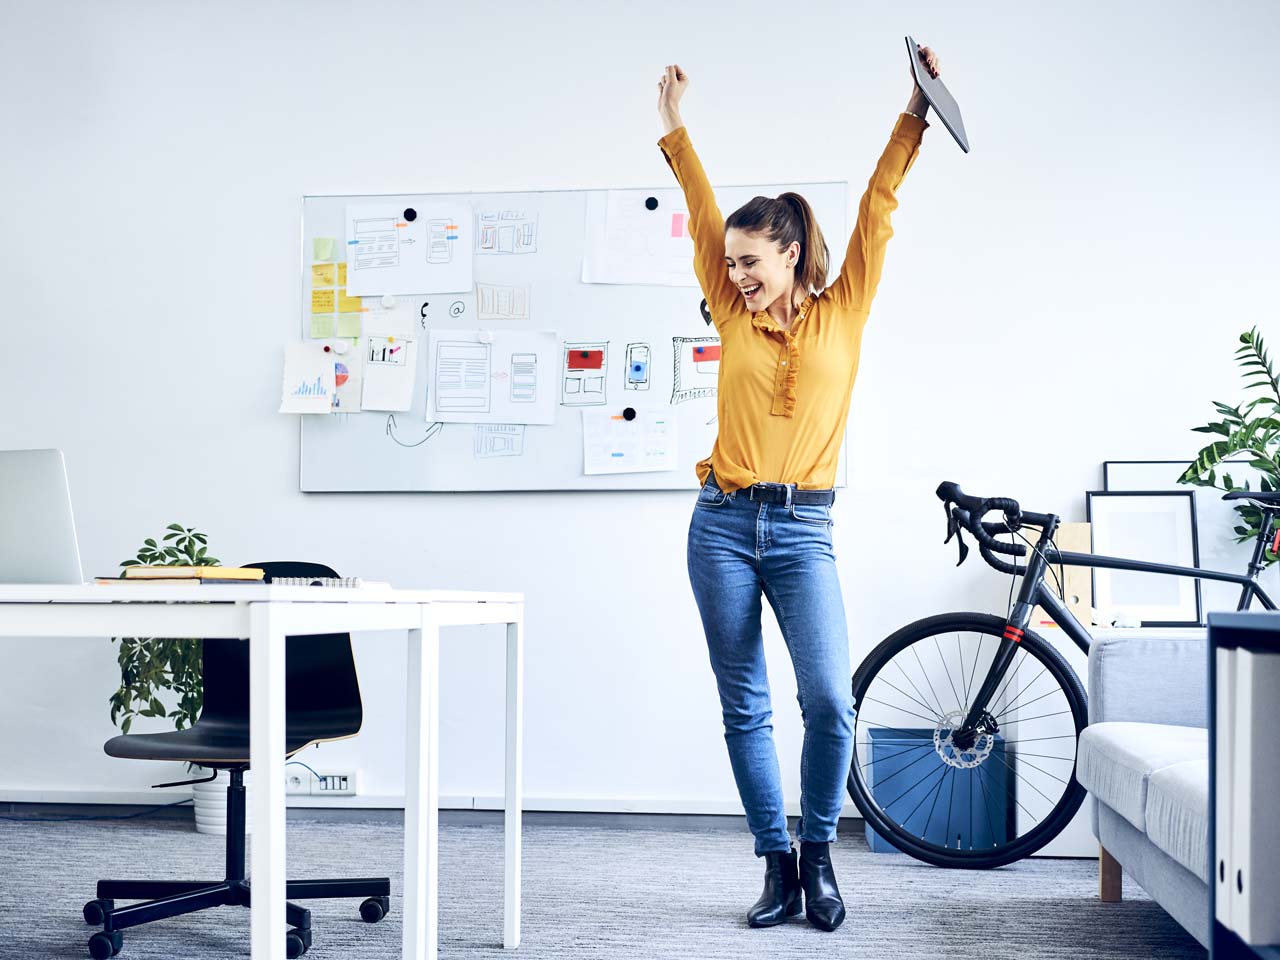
x=762 y=321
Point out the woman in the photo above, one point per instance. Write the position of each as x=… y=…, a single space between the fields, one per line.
x=762 y=523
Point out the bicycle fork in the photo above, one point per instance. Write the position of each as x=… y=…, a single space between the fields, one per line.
x=979 y=721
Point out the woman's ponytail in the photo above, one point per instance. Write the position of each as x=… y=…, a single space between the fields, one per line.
x=811 y=268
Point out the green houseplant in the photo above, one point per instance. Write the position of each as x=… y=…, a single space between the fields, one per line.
x=1248 y=433
x=150 y=666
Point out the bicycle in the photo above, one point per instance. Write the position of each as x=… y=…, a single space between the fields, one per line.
x=977 y=739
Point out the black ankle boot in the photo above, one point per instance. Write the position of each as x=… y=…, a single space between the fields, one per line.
x=822 y=903
x=781 y=897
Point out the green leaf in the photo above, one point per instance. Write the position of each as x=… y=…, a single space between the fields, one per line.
x=128 y=722
x=175 y=526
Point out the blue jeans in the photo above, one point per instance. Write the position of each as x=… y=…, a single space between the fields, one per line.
x=739 y=548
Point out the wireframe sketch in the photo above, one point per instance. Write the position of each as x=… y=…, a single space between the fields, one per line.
x=440 y=234
x=524 y=378
x=697 y=367
x=506 y=232
x=499 y=440
x=462 y=376
x=637 y=377
x=496 y=302
x=377 y=243
x=583 y=380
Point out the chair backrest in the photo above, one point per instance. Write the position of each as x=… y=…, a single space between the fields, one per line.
x=322 y=692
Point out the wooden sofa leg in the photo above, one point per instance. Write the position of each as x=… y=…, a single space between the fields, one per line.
x=1110 y=877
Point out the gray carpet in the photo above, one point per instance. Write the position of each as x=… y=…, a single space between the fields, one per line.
x=591 y=890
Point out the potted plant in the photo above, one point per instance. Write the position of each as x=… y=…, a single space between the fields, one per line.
x=1249 y=434
x=154 y=666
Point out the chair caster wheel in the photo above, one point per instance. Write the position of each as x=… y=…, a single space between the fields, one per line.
x=95 y=911
x=102 y=946
x=374 y=909
x=296 y=943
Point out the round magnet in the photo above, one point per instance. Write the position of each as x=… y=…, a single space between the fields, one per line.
x=326 y=348
x=340 y=346
x=651 y=203
x=629 y=413
x=410 y=214
x=583 y=354
x=388 y=301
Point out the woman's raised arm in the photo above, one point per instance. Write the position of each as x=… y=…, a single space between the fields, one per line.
x=706 y=225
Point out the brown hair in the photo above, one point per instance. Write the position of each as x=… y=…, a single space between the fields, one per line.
x=785 y=220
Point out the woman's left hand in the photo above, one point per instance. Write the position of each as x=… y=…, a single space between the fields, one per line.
x=930 y=61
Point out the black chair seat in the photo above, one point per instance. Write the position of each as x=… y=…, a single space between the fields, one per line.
x=206 y=744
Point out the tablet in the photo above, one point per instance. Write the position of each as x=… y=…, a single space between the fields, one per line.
x=939 y=97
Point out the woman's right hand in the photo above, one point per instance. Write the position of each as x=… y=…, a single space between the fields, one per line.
x=670 y=89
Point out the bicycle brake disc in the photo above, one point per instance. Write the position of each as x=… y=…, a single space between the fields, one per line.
x=951 y=754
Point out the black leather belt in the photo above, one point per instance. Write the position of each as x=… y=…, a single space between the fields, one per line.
x=778 y=493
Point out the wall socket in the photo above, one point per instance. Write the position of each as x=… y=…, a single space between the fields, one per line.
x=299 y=781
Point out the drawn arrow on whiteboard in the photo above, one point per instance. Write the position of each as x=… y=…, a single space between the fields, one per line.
x=432 y=430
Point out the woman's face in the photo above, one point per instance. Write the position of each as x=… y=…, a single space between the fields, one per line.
x=761 y=272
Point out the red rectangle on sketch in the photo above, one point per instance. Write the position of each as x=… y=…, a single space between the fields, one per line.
x=706 y=353
x=677 y=225
x=586 y=359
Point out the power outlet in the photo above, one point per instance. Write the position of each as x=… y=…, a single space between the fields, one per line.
x=301 y=782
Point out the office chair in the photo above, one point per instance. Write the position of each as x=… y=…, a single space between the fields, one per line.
x=322 y=702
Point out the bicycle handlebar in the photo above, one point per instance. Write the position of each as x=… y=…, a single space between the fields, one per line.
x=968 y=513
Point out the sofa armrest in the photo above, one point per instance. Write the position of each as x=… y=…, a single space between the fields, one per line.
x=1149 y=679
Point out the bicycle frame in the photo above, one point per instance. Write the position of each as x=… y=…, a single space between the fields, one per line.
x=1034 y=591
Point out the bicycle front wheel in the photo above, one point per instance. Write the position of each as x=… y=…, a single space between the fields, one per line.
x=949 y=800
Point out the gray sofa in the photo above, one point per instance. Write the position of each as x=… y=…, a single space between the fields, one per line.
x=1144 y=761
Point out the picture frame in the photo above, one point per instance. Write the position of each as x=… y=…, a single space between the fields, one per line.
x=1158 y=526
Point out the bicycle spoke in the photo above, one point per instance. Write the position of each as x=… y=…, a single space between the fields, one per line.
x=960 y=654
x=987 y=808
x=1017 y=773
x=1010 y=704
x=911 y=698
x=929 y=720
x=945 y=768
x=996 y=783
x=1045 y=772
x=1040 y=717
x=913 y=786
x=943 y=661
x=974 y=672
x=1023 y=706
x=918 y=746
x=910 y=681
x=936 y=793
x=916 y=654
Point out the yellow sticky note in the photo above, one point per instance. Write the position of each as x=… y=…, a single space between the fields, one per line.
x=322 y=274
x=323 y=248
x=342 y=274
x=348 y=324
x=322 y=326
x=347 y=304
x=322 y=301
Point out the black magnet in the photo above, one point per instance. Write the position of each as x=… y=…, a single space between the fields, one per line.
x=706 y=313
x=584 y=354
x=411 y=214
x=651 y=203
x=629 y=413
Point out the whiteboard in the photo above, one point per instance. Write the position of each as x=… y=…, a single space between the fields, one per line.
x=404 y=451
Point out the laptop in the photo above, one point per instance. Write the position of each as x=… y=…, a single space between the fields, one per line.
x=37 y=530
x=939 y=97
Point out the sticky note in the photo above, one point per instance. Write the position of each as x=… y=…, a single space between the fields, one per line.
x=322 y=326
x=322 y=301
x=322 y=274
x=342 y=274
x=348 y=324
x=322 y=248
x=347 y=304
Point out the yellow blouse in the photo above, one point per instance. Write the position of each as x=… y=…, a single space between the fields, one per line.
x=783 y=396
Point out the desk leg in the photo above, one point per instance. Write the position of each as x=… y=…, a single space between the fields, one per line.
x=266 y=758
x=514 y=784
x=422 y=791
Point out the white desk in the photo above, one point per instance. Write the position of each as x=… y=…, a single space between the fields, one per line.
x=265 y=615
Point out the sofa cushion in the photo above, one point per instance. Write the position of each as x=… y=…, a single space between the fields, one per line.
x=1178 y=813
x=1116 y=759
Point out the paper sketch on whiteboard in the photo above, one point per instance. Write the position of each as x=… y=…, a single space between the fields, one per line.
x=307 y=384
x=506 y=231
x=499 y=440
x=348 y=380
x=613 y=444
x=583 y=374
x=390 y=365
x=497 y=302
x=627 y=242
x=697 y=368
x=498 y=376
x=421 y=247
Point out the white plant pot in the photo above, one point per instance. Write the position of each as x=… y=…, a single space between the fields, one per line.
x=211 y=802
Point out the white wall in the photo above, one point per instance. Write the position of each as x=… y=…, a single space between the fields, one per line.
x=1069 y=292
